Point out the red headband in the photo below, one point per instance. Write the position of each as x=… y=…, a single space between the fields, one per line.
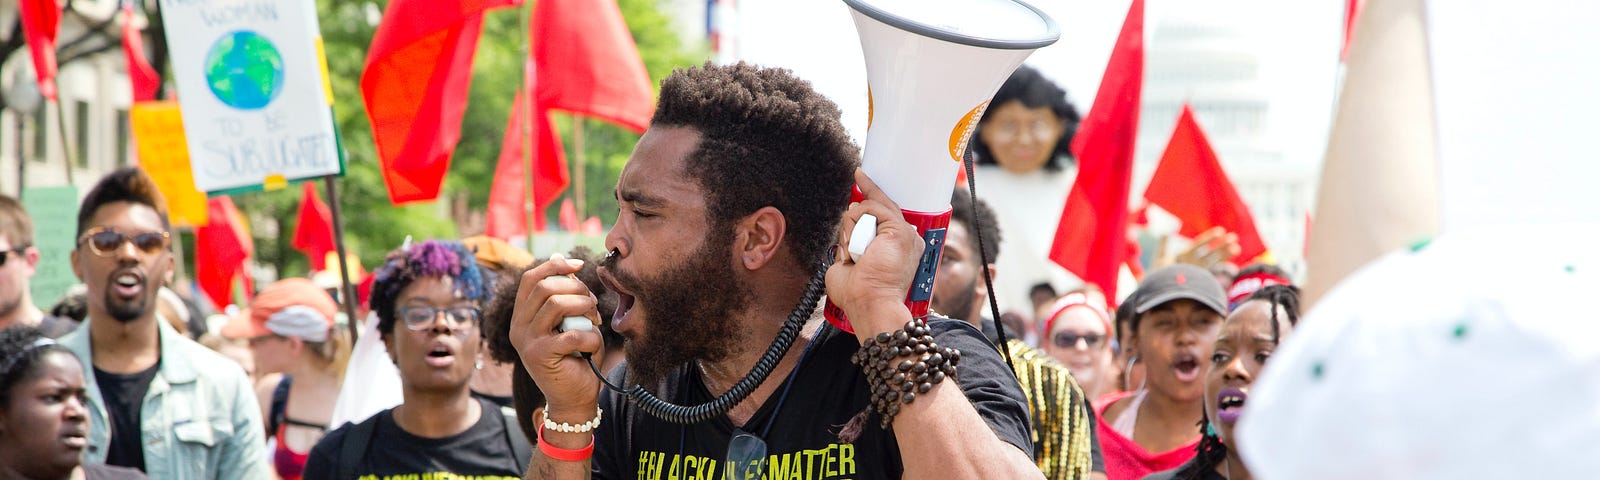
x=1076 y=299
x=1248 y=284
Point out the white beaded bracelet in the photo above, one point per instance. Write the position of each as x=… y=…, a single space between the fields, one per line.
x=584 y=427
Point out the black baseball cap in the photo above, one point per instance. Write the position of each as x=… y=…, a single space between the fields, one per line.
x=1180 y=282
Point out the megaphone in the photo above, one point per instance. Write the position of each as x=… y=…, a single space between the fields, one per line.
x=932 y=66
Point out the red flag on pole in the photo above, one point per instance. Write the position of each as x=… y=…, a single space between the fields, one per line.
x=41 y=21
x=143 y=77
x=221 y=247
x=1191 y=185
x=1091 y=240
x=313 y=230
x=506 y=217
x=415 y=86
x=588 y=63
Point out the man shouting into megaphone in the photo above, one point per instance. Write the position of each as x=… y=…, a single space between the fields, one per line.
x=734 y=199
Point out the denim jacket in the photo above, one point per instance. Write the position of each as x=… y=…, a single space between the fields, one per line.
x=200 y=418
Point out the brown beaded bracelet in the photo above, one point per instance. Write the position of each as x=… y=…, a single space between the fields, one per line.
x=895 y=379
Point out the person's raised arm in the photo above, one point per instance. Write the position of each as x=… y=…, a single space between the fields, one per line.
x=546 y=295
x=940 y=434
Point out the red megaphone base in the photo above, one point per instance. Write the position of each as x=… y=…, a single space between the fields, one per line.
x=932 y=227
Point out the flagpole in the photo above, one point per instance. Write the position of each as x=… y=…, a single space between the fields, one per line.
x=346 y=290
x=61 y=133
x=528 y=205
x=177 y=252
x=577 y=164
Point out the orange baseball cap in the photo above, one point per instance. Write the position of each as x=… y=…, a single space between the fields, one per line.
x=292 y=307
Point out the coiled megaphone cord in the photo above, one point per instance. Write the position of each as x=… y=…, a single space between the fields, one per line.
x=662 y=409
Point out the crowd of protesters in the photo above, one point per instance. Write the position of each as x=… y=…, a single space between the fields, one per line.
x=701 y=271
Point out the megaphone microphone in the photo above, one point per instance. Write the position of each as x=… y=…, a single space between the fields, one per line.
x=932 y=66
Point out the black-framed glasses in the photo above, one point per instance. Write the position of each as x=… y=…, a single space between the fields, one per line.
x=1070 y=339
x=6 y=254
x=105 y=242
x=747 y=457
x=420 y=317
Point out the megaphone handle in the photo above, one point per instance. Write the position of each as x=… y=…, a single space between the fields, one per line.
x=866 y=229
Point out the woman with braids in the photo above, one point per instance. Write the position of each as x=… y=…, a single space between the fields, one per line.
x=429 y=299
x=44 y=413
x=290 y=329
x=1248 y=338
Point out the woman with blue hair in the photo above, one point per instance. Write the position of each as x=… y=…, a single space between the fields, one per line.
x=429 y=299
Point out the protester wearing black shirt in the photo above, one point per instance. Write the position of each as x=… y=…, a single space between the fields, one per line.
x=731 y=202
x=427 y=297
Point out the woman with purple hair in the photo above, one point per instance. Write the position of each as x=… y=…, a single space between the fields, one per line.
x=429 y=299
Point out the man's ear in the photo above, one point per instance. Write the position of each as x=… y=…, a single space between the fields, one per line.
x=758 y=237
x=76 y=270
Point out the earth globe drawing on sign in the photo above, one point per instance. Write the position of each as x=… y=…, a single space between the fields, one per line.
x=244 y=70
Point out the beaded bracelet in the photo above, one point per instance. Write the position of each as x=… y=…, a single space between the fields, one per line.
x=893 y=382
x=584 y=427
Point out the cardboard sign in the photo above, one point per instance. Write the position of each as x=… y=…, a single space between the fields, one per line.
x=255 y=100
x=164 y=154
x=54 y=211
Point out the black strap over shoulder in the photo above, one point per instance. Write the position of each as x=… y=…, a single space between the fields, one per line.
x=521 y=451
x=280 y=402
x=354 y=446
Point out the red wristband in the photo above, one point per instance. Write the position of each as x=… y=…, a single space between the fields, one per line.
x=563 y=454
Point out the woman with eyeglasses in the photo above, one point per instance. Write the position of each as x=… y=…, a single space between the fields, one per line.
x=1024 y=171
x=1078 y=334
x=291 y=332
x=429 y=299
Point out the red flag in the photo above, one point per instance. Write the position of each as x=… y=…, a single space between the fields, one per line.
x=588 y=63
x=1092 y=239
x=506 y=218
x=1191 y=185
x=143 y=77
x=415 y=86
x=41 y=21
x=221 y=248
x=313 y=231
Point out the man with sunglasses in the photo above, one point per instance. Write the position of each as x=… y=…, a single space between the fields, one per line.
x=18 y=260
x=1058 y=406
x=158 y=401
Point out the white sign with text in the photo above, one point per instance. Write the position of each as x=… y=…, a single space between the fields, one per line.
x=253 y=90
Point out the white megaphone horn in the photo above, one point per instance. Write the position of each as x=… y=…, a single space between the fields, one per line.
x=932 y=66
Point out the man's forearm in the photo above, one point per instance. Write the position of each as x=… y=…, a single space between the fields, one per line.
x=941 y=435
x=543 y=467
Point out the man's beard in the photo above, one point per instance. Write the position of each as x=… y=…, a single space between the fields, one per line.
x=128 y=311
x=691 y=310
x=960 y=305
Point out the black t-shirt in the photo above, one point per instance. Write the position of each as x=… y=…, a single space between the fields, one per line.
x=802 y=441
x=124 y=398
x=480 y=452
